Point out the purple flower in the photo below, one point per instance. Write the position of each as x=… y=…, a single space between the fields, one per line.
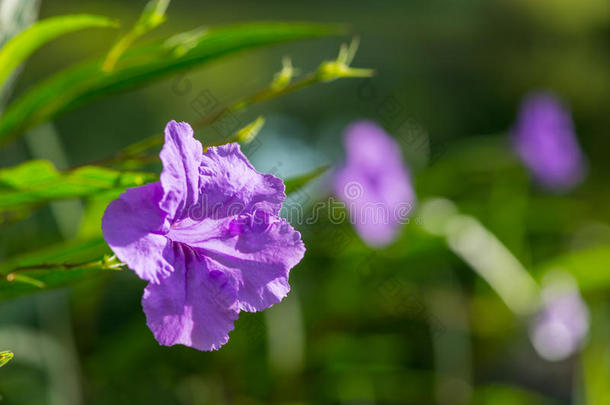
x=374 y=183
x=563 y=324
x=545 y=140
x=208 y=239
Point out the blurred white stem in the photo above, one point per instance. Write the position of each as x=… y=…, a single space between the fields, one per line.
x=478 y=247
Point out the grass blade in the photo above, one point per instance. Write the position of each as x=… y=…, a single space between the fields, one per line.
x=20 y=47
x=295 y=183
x=37 y=181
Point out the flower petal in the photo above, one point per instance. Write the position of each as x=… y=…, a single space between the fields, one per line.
x=133 y=226
x=230 y=185
x=368 y=146
x=375 y=184
x=194 y=307
x=181 y=157
x=257 y=250
x=545 y=140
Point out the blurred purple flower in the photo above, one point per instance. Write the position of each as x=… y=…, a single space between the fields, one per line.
x=545 y=140
x=563 y=324
x=208 y=239
x=374 y=183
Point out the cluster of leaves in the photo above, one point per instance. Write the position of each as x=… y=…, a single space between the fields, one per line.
x=127 y=65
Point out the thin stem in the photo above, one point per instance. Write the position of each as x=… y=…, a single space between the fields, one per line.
x=262 y=95
x=106 y=263
x=16 y=274
x=67 y=266
x=119 y=49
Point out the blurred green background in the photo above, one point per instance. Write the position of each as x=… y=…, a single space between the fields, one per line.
x=410 y=324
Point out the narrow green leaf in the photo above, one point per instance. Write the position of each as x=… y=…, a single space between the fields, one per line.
x=142 y=64
x=37 y=182
x=86 y=252
x=296 y=183
x=23 y=14
x=20 y=47
x=5 y=357
x=152 y=16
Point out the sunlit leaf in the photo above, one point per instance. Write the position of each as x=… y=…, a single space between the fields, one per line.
x=20 y=16
x=52 y=277
x=143 y=64
x=37 y=182
x=20 y=47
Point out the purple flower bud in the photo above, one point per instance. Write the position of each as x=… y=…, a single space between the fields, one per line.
x=545 y=140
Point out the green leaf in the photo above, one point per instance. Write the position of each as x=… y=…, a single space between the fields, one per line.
x=81 y=251
x=5 y=357
x=20 y=47
x=21 y=15
x=295 y=183
x=37 y=182
x=142 y=64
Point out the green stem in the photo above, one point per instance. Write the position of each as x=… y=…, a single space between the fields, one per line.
x=102 y=264
x=118 y=49
x=15 y=275
x=265 y=94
